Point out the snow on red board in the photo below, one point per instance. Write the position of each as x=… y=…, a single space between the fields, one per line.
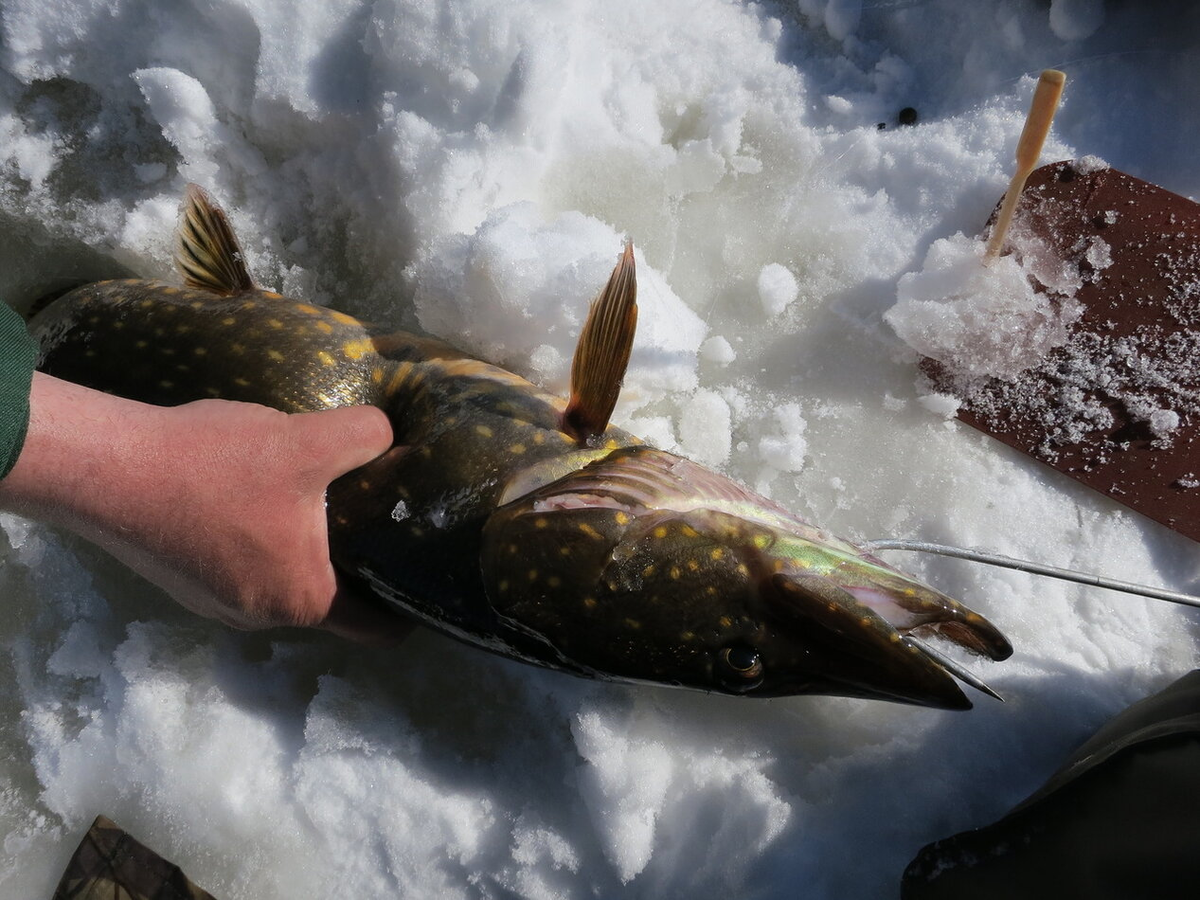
x=1118 y=406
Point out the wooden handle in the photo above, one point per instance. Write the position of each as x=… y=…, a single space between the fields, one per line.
x=1029 y=148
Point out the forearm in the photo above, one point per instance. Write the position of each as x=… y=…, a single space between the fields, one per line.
x=86 y=455
x=222 y=504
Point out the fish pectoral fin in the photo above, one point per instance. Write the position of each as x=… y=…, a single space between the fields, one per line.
x=602 y=353
x=207 y=253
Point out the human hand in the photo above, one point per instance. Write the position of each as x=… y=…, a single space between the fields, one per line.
x=222 y=504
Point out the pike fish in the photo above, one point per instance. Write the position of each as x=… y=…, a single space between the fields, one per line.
x=517 y=521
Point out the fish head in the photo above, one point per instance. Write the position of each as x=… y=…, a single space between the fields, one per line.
x=645 y=566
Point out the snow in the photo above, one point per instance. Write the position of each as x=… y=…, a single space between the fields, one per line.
x=979 y=320
x=472 y=168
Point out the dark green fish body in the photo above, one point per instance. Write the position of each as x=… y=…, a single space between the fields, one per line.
x=464 y=430
x=517 y=521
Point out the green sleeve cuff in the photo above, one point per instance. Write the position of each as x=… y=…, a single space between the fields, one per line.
x=18 y=354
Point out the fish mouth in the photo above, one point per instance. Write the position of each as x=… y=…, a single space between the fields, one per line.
x=850 y=648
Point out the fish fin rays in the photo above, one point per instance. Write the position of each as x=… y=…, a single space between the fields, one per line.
x=207 y=253
x=602 y=354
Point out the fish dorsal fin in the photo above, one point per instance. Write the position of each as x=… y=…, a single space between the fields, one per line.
x=206 y=249
x=603 y=353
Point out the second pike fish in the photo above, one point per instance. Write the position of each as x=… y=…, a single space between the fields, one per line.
x=517 y=521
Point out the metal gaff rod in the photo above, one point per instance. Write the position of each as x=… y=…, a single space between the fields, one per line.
x=1021 y=565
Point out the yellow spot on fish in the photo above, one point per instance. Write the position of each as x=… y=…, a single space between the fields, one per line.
x=648 y=571
x=197 y=304
x=689 y=531
x=170 y=291
x=589 y=603
x=483 y=431
x=342 y=318
x=146 y=304
x=711 y=591
x=554 y=581
x=166 y=384
x=398 y=377
x=725 y=621
x=239 y=349
x=622 y=518
x=213 y=392
x=742 y=570
x=610 y=444
x=325 y=327
x=566 y=438
x=564 y=551
x=307 y=309
x=687 y=636
x=539 y=438
x=356 y=349
x=183 y=329
x=513 y=548
x=325 y=358
x=364 y=484
x=140 y=344
x=377 y=375
x=589 y=530
x=274 y=323
x=516 y=449
x=909 y=592
x=540 y=522
x=275 y=355
x=675 y=572
x=693 y=565
x=533 y=573
x=89 y=353
x=716 y=553
x=271 y=295
x=660 y=532
x=633 y=624
x=761 y=541
x=228 y=320
x=249 y=304
x=779 y=565
x=242 y=382
x=503 y=585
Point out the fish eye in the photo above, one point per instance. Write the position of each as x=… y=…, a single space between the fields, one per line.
x=740 y=667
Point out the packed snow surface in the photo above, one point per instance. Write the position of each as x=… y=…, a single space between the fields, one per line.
x=471 y=169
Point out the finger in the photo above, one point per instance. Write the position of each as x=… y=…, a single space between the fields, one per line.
x=344 y=438
x=366 y=620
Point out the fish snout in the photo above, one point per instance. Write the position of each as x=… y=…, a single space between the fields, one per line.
x=854 y=637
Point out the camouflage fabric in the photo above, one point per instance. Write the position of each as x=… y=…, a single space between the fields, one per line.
x=111 y=865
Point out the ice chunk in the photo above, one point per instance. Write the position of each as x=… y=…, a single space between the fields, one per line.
x=977 y=320
x=777 y=288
